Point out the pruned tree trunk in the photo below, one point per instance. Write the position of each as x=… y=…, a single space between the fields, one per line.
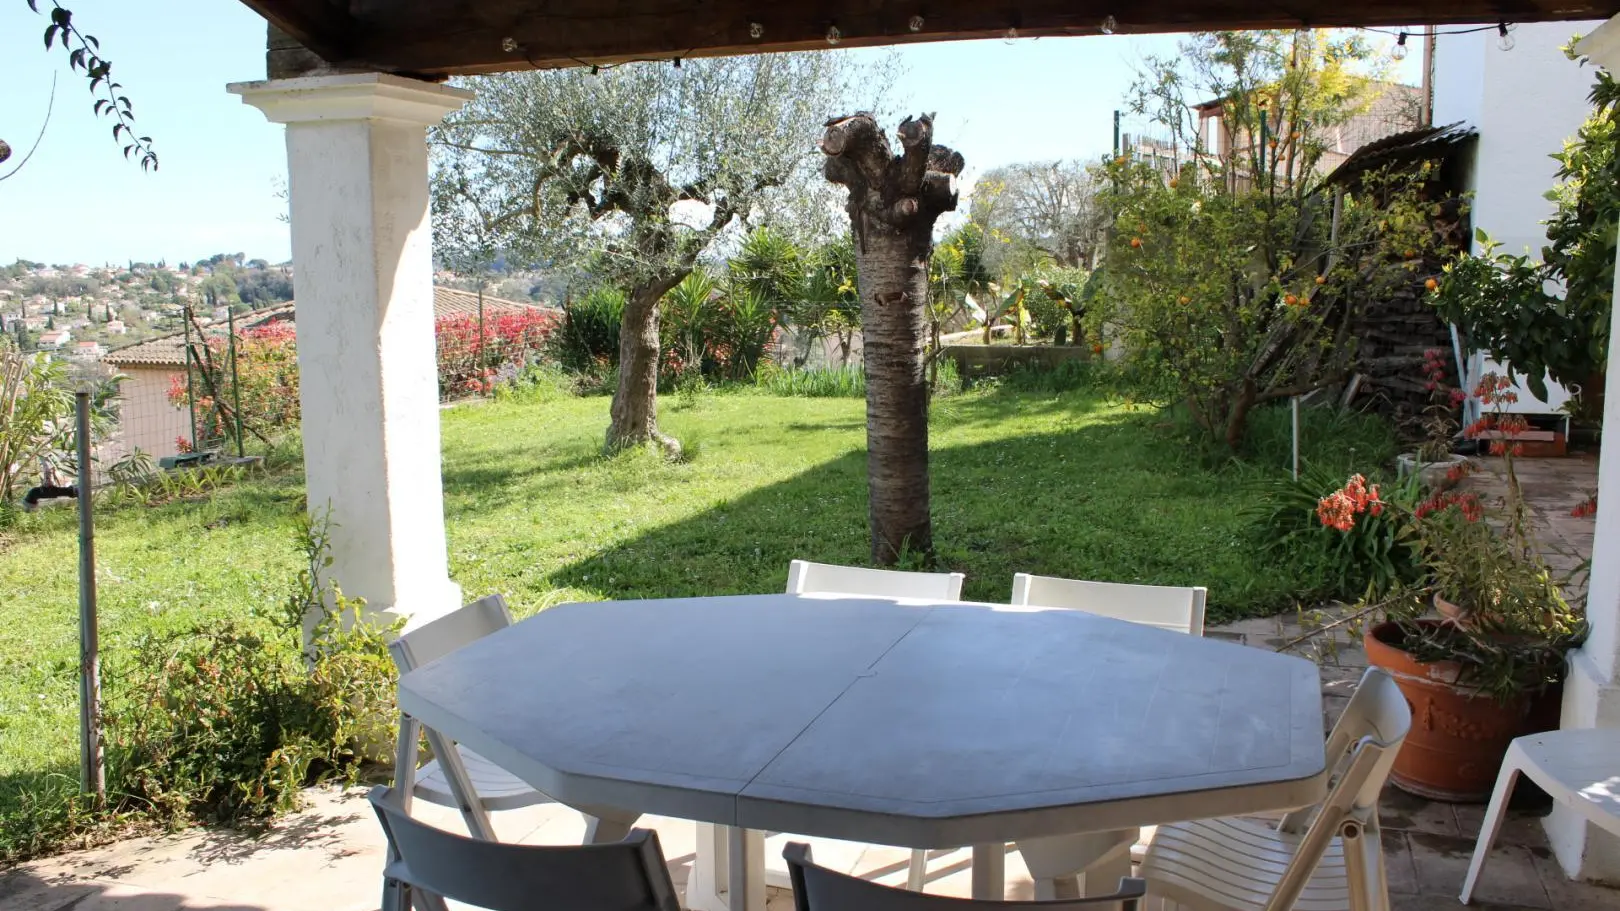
x=634 y=415
x=894 y=201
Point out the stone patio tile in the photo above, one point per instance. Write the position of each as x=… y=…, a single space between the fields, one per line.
x=23 y=889
x=1399 y=867
x=1518 y=829
x=1568 y=895
x=1255 y=626
x=1340 y=681
x=1403 y=812
x=1509 y=878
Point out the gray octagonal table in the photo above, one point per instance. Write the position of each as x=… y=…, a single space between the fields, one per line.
x=908 y=723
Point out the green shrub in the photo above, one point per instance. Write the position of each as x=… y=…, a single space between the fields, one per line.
x=230 y=719
x=589 y=339
x=225 y=720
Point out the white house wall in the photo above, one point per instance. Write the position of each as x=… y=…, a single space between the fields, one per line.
x=1525 y=103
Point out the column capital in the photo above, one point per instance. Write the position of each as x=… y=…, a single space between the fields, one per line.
x=1603 y=45
x=352 y=96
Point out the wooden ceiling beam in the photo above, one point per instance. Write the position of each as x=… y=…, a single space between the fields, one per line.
x=323 y=26
x=451 y=37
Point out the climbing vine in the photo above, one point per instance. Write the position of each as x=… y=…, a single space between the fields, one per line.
x=84 y=56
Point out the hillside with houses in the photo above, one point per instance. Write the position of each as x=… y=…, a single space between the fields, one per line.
x=86 y=311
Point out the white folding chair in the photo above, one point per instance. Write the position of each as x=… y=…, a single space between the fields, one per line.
x=806 y=578
x=1062 y=865
x=1324 y=858
x=430 y=865
x=709 y=870
x=820 y=889
x=1164 y=606
x=457 y=777
x=1579 y=767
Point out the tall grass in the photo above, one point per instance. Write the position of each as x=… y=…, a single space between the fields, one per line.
x=846 y=382
x=1339 y=442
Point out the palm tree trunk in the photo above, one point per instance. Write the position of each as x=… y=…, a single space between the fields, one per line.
x=893 y=204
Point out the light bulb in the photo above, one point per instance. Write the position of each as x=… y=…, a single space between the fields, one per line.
x=509 y=44
x=915 y=24
x=1398 y=52
x=1012 y=34
x=1504 y=39
x=756 y=30
x=1110 y=25
x=834 y=35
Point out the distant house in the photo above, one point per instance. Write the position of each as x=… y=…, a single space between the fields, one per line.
x=1397 y=109
x=87 y=350
x=115 y=327
x=54 y=339
x=151 y=367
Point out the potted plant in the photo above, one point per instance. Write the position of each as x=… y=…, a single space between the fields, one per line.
x=1433 y=461
x=1477 y=675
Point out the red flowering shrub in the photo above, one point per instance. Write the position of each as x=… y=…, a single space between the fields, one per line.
x=264 y=384
x=473 y=358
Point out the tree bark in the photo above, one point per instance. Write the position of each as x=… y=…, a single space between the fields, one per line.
x=635 y=400
x=893 y=204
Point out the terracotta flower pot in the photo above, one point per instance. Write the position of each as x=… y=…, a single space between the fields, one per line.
x=1458 y=736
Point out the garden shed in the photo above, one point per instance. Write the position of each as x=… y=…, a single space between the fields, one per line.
x=358 y=83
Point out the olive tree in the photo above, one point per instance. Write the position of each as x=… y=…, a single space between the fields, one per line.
x=635 y=170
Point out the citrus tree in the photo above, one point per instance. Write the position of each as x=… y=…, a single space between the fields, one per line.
x=1232 y=280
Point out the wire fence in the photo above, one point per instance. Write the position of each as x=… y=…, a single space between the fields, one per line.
x=227 y=385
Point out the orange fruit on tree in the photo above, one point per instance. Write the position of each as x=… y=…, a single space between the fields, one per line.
x=1185 y=300
x=1321 y=279
x=1136 y=242
x=1432 y=285
x=1291 y=300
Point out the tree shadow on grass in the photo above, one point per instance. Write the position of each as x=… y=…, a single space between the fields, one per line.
x=1108 y=499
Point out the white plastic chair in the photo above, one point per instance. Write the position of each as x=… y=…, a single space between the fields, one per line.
x=806 y=578
x=456 y=771
x=1579 y=767
x=1332 y=862
x=1061 y=865
x=1163 y=606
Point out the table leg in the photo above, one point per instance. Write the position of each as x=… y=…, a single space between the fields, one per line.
x=745 y=869
x=604 y=825
x=990 y=872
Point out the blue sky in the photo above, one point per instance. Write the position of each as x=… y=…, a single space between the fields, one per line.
x=79 y=201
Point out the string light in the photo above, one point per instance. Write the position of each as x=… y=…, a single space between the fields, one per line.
x=756 y=31
x=1398 y=52
x=834 y=35
x=509 y=44
x=1012 y=34
x=1504 y=40
x=916 y=23
x=595 y=69
x=677 y=63
x=1110 y=25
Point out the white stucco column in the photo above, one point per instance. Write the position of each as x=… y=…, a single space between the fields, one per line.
x=1592 y=692
x=363 y=280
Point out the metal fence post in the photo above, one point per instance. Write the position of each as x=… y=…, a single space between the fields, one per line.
x=92 y=774
x=191 y=398
x=236 y=382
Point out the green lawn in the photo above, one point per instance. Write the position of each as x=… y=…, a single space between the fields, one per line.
x=1057 y=483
